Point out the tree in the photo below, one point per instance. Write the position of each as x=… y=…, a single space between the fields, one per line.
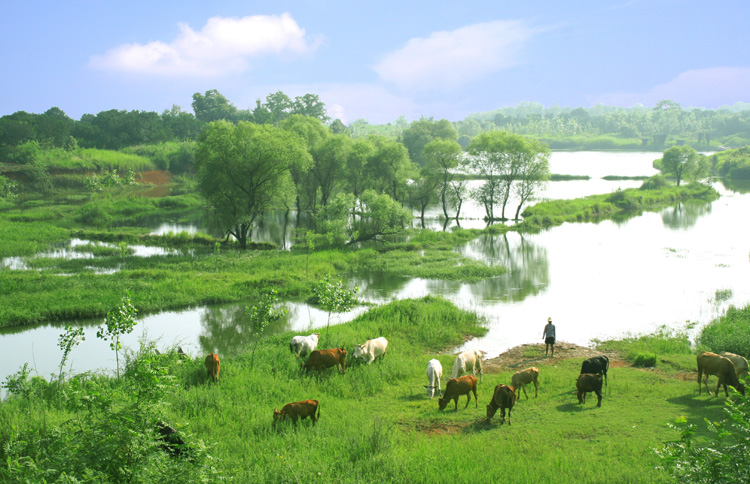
x=501 y=157
x=533 y=174
x=442 y=158
x=338 y=127
x=312 y=131
x=329 y=160
x=261 y=315
x=334 y=298
x=310 y=105
x=213 y=106
x=119 y=321
x=279 y=105
x=243 y=170
x=389 y=166
x=684 y=163
x=356 y=165
x=424 y=190
x=420 y=133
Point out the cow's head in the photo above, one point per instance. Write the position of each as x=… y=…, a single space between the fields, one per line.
x=430 y=390
x=359 y=351
x=276 y=417
x=491 y=409
x=442 y=403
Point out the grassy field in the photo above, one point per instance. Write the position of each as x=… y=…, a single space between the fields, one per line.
x=376 y=422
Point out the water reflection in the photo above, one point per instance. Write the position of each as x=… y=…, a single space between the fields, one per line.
x=685 y=214
x=528 y=267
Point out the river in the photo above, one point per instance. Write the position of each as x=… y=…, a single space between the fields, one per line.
x=679 y=267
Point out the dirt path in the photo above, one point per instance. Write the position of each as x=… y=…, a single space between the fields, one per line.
x=527 y=355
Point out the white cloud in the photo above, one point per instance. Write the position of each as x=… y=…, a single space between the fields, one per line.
x=708 y=88
x=224 y=45
x=447 y=60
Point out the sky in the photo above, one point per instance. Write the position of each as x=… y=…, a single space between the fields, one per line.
x=372 y=60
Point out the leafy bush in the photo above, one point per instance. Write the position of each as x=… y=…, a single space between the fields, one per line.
x=654 y=183
x=723 y=457
x=730 y=332
x=644 y=360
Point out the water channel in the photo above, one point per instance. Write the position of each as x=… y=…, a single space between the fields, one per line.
x=680 y=267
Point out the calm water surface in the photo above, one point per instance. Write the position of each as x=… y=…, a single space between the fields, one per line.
x=679 y=267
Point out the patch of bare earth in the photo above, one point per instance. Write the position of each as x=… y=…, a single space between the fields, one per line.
x=527 y=355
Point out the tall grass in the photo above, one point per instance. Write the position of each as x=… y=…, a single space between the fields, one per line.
x=93 y=159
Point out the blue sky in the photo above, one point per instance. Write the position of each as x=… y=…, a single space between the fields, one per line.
x=372 y=60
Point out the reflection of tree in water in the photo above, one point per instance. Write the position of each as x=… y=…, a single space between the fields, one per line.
x=685 y=215
x=737 y=186
x=527 y=263
x=228 y=329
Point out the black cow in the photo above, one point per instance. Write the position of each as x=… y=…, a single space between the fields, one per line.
x=597 y=365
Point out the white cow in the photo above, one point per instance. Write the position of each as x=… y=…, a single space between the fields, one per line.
x=302 y=345
x=371 y=349
x=434 y=374
x=468 y=361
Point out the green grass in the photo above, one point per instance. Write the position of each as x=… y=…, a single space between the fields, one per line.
x=377 y=424
x=92 y=159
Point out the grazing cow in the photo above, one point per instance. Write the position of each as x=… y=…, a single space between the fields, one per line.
x=597 y=365
x=740 y=363
x=589 y=382
x=504 y=397
x=295 y=410
x=713 y=364
x=521 y=378
x=371 y=349
x=456 y=387
x=212 y=366
x=434 y=374
x=319 y=360
x=302 y=345
x=468 y=361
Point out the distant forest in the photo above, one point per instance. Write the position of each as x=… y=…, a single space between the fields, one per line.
x=599 y=127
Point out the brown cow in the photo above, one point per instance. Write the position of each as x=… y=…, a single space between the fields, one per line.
x=521 y=378
x=589 y=382
x=456 y=387
x=321 y=359
x=212 y=366
x=504 y=397
x=713 y=364
x=295 y=410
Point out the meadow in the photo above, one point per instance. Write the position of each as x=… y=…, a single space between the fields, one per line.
x=376 y=422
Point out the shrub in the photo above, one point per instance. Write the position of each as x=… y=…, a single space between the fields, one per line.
x=722 y=457
x=644 y=360
x=654 y=183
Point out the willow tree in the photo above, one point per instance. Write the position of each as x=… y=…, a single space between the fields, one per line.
x=243 y=171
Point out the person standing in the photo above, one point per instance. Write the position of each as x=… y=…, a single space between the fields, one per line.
x=549 y=338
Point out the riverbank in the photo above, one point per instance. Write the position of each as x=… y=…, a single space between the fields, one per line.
x=376 y=423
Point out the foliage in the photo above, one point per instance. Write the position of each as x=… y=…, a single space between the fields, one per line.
x=8 y=188
x=684 y=163
x=72 y=337
x=721 y=457
x=644 y=360
x=261 y=315
x=421 y=133
x=729 y=332
x=733 y=164
x=333 y=297
x=655 y=182
x=243 y=170
x=119 y=321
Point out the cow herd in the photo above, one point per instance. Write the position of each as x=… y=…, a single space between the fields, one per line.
x=727 y=367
